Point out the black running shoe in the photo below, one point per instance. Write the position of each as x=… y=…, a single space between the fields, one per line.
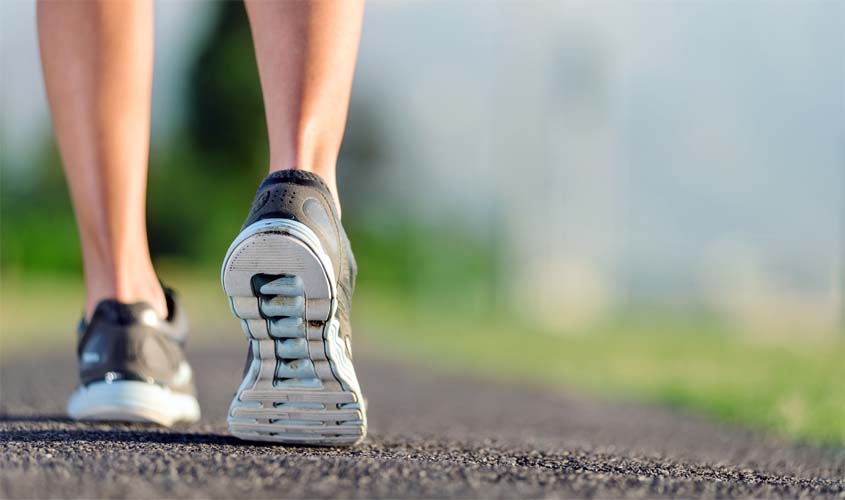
x=132 y=366
x=289 y=276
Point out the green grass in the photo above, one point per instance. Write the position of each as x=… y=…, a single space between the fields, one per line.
x=794 y=390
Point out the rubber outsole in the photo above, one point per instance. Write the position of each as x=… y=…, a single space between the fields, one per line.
x=132 y=401
x=301 y=387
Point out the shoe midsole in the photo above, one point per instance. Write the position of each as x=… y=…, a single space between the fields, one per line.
x=132 y=401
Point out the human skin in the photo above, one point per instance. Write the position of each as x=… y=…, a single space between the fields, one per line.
x=306 y=53
x=97 y=58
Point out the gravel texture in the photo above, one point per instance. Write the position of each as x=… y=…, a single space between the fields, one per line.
x=431 y=435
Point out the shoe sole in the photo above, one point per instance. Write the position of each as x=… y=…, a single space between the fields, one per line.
x=301 y=387
x=132 y=401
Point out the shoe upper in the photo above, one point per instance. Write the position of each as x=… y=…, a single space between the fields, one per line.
x=131 y=342
x=304 y=197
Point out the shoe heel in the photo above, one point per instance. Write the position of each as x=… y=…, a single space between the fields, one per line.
x=280 y=289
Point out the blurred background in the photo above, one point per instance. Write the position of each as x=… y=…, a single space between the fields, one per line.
x=640 y=200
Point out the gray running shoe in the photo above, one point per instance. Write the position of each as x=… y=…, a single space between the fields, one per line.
x=132 y=366
x=289 y=276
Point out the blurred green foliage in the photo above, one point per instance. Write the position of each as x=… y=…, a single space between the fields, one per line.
x=37 y=228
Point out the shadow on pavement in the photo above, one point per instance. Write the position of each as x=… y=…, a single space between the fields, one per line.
x=59 y=428
x=117 y=436
x=34 y=418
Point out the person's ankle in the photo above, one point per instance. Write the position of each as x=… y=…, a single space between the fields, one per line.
x=126 y=290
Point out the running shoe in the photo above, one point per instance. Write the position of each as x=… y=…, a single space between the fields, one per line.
x=132 y=366
x=289 y=276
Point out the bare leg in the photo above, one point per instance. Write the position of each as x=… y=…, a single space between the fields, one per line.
x=306 y=54
x=97 y=58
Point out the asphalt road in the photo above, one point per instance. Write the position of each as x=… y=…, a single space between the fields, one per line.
x=432 y=435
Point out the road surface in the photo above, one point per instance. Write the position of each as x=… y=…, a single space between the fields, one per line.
x=431 y=435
